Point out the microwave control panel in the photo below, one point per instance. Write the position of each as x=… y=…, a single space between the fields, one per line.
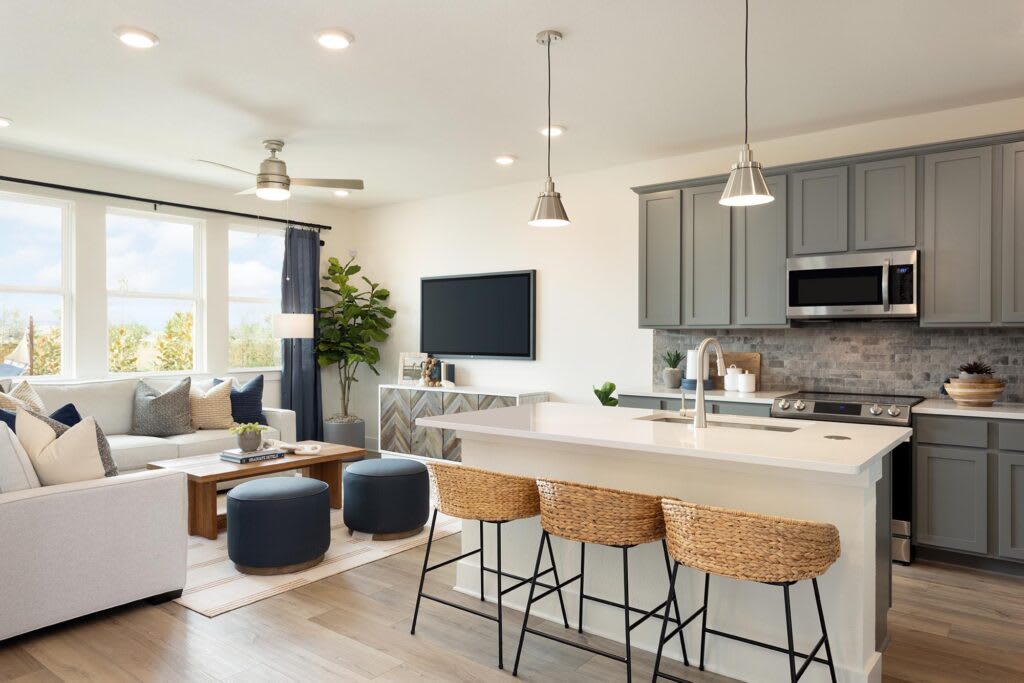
x=901 y=284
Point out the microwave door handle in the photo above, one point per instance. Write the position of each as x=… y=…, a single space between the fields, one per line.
x=885 y=286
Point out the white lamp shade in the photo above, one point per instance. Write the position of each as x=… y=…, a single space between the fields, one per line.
x=293 y=326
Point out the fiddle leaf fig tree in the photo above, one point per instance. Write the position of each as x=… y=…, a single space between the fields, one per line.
x=350 y=328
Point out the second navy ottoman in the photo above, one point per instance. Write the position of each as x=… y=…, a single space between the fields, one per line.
x=387 y=497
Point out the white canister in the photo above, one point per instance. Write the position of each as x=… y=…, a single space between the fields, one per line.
x=746 y=383
x=691 y=365
x=732 y=377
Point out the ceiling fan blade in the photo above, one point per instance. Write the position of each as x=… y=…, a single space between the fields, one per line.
x=329 y=182
x=251 y=190
x=217 y=163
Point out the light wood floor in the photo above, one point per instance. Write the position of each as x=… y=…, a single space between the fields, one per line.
x=947 y=625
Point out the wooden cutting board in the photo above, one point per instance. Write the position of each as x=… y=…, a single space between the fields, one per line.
x=744 y=360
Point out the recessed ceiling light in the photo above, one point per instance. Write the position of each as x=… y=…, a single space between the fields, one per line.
x=341 y=193
x=554 y=131
x=334 y=38
x=136 y=37
x=505 y=160
x=5 y=122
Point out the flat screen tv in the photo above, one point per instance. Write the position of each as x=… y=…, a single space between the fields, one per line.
x=490 y=315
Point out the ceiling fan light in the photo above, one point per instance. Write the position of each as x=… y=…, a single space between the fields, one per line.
x=5 y=122
x=334 y=39
x=549 y=212
x=746 y=185
x=553 y=131
x=136 y=37
x=274 y=193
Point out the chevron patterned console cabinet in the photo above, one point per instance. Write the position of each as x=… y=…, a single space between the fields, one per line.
x=400 y=405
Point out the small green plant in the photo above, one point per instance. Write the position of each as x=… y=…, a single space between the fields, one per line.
x=248 y=428
x=976 y=367
x=604 y=394
x=672 y=358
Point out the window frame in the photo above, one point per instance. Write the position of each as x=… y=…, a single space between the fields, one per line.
x=65 y=290
x=197 y=296
x=257 y=229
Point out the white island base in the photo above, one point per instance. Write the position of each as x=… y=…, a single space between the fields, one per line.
x=715 y=468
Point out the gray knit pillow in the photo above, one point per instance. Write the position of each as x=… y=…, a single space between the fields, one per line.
x=163 y=414
x=102 y=445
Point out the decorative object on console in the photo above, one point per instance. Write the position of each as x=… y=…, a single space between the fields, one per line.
x=447 y=375
x=211 y=409
x=431 y=374
x=604 y=394
x=349 y=331
x=671 y=374
x=22 y=396
x=410 y=368
x=162 y=414
x=62 y=454
x=67 y=415
x=246 y=400
x=250 y=435
x=975 y=386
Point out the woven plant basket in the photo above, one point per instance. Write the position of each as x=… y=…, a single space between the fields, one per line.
x=591 y=514
x=470 y=493
x=746 y=545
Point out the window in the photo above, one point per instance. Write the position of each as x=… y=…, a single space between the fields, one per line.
x=255 y=259
x=35 y=286
x=153 y=284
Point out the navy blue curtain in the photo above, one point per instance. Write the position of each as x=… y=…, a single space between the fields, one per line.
x=300 y=293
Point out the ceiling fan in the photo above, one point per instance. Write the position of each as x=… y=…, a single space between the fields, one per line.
x=272 y=181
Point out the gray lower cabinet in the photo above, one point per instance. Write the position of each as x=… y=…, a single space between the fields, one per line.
x=759 y=261
x=713 y=407
x=661 y=259
x=951 y=498
x=819 y=215
x=1012 y=250
x=885 y=201
x=956 y=258
x=736 y=408
x=707 y=256
x=649 y=402
x=1010 y=505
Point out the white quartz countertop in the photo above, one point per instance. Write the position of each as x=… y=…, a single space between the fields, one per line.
x=710 y=394
x=946 y=406
x=806 y=448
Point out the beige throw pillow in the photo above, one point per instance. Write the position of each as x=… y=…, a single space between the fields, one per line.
x=22 y=396
x=211 y=409
x=61 y=455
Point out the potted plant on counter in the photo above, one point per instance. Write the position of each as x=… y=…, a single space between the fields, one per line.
x=348 y=333
x=975 y=386
x=604 y=394
x=671 y=375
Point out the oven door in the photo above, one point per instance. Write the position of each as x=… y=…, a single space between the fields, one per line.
x=879 y=285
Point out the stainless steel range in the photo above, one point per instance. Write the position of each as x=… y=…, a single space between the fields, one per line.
x=880 y=409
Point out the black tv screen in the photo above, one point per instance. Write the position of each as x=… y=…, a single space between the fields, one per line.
x=478 y=316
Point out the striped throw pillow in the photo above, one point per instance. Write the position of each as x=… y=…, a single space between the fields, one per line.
x=211 y=409
x=22 y=396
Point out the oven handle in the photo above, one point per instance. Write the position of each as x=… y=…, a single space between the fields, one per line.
x=885 y=285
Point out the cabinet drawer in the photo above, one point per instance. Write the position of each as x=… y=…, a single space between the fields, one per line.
x=751 y=409
x=1011 y=436
x=649 y=402
x=951 y=431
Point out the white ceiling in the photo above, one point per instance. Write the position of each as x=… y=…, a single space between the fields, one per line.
x=432 y=90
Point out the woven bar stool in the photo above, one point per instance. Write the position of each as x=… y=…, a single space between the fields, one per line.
x=474 y=494
x=608 y=517
x=750 y=547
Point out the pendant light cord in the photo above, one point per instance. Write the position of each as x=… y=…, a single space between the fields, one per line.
x=549 y=105
x=746 y=74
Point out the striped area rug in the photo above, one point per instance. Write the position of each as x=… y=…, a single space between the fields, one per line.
x=213 y=586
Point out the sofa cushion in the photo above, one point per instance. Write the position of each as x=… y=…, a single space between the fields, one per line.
x=24 y=396
x=16 y=471
x=162 y=414
x=210 y=441
x=211 y=409
x=66 y=415
x=61 y=454
x=247 y=400
x=133 y=452
x=108 y=401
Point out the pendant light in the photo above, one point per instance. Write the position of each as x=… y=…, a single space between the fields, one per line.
x=746 y=185
x=549 y=212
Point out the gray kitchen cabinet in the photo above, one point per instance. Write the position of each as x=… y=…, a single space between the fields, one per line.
x=1012 y=250
x=737 y=408
x=1010 y=505
x=661 y=259
x=951 y=498
x=707 y=250
x=956 y=256
x=759 y=260
x=819 y=216
x=649 y=402
x=885 y=201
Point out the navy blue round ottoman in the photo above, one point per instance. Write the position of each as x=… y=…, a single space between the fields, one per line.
x=278 y=525
x=387 y=497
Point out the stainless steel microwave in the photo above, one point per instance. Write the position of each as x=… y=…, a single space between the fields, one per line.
x=872 y=285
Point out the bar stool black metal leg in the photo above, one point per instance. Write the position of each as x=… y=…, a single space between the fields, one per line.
x=501 y=635
x=674 y=601
x=824 y=633
x=583 y=556
x=554 y=573
x=481 y=559
x=529 y=602
x=423 y=573
x=625 y=601
x=789 y=635
x=704 y=619
x=664 y=621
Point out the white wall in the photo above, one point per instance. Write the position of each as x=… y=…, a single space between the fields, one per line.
x=587 y=273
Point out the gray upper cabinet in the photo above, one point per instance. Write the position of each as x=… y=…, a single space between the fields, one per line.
x=759 y=260
x=885 y=198
x=819 y=211
x=952 y=498
x=1011 y=505
x=661 y=260
x=1013 y=234
x=956 y=256
x=707 y=250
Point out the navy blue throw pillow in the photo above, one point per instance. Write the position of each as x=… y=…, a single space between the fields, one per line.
x=247 y=401
x=67 y=415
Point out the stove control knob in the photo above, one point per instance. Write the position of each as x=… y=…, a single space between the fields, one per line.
x=783 y=404
x=875 y=409
x=894 y=411
x=799 y=405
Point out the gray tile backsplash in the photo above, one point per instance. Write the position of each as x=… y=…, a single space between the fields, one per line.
x=887 y=357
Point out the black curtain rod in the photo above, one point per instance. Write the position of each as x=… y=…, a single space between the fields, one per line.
x=159 y=202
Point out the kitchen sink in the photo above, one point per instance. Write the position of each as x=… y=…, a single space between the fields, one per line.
x=731 y=425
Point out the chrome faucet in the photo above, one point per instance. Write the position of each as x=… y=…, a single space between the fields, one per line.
x=700 y=420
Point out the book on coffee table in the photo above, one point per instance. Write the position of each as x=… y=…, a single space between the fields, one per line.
x=237 y=455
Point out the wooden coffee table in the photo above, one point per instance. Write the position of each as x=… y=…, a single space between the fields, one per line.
x=206 y=471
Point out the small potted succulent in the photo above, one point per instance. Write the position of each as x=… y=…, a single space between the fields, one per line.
x=604 y=394
x=975 y=371
x=250 y=435
x=671 y=375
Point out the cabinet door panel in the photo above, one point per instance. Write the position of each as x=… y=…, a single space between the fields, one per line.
x=819 y=211
x=426 y=441
x=885 y=197
x=1011 y=505
x=452 y=403
x=734 y=408
x=648 y=402
x=707 y=246
x=395 y=423
x=1013 y=234
x=488 y=402
x=759 y=260
x=957 y=251
x=952 y=498
x=661 y=259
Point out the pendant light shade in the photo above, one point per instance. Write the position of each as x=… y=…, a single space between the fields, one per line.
x=746 y=185
x=549 y=212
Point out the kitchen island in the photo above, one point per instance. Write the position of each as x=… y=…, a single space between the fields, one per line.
x=823 y=471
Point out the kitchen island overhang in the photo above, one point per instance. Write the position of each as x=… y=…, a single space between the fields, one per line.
x=822 y=471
